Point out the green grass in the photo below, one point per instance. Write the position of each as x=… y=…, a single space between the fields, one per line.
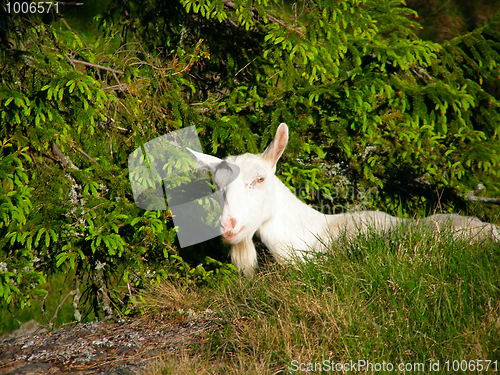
x=402 y=298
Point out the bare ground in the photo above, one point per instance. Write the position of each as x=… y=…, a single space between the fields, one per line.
x=110 y=348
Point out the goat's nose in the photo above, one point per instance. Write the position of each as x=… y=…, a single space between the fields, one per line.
x=228 y=225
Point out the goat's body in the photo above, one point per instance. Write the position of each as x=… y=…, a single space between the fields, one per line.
x=258 y=202
x=296 y=228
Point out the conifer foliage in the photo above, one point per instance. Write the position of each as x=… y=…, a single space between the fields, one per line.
x=369 y=105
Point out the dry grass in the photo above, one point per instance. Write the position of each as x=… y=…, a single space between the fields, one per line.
x=407 y=298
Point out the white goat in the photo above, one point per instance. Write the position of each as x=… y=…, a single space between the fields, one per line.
x=258 y=202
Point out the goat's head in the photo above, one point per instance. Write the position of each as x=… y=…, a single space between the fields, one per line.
x=249 y=199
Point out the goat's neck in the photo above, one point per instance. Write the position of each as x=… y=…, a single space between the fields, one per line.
x=293 y=224
x=244 y=256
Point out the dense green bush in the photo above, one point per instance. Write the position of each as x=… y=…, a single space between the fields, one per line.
x=65 y=195
x=370 y=105
x=354 y=82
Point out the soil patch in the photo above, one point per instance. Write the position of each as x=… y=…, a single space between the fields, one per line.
x=125 y=347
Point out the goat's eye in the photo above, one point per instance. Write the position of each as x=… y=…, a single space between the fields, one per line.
x=257 y=180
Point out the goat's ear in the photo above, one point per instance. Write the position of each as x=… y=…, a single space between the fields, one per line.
x=205 y=162
x=275 y=149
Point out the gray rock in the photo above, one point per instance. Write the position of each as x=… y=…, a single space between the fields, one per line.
x=118 y=348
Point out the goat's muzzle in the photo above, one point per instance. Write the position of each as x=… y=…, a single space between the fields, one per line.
x=227 y=227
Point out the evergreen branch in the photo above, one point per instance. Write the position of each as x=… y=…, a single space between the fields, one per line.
x=76 y=301
x=420 y=72
x=97 y=66
x=229 y=4
x=122 y=86
x=473 y=198
x=86 y=155
x=65 y=160
x=239 y=71
x=117 y=87
x=56 y=312
x=106 y=301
